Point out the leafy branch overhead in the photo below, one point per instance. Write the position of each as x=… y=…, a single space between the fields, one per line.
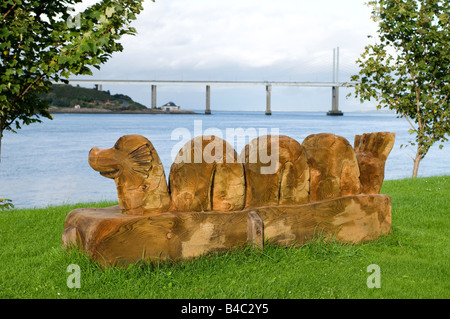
x=407 y=69
x=39 y=43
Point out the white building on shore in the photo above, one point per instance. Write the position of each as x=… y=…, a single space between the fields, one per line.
x=170 y=106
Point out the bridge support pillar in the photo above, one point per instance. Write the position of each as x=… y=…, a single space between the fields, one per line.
x=153 y=96
x=208 y=100
x=335 y=102
x=268 y=91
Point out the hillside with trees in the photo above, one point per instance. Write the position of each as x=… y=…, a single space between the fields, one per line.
x=67 y=96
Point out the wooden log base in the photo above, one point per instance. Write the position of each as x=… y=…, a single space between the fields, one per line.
x=255 y=230
x=113 y=238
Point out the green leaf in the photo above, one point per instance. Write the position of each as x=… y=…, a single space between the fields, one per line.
x=109 y=11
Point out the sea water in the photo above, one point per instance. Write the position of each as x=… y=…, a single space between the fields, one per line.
x=47 y=163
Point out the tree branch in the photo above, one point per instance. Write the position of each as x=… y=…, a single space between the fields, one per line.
x=442 y=115
x=442 y=103
x=413 y=78
x=7 y=12
x=35 y=80
x=417 y=93
x=29 y=87
x=406 y=117
x=10 y=122
x=409 y=155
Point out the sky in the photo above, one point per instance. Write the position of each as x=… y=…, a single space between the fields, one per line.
x=242 y=40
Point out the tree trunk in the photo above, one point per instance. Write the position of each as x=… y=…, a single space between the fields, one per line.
x=1 y=137
x=416 y=164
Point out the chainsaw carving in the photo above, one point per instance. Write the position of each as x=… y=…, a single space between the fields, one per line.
x=276 y=172
x=372 y=151
x=206 y=175
x=333 y=166
x=277 y=189
x=139 y=175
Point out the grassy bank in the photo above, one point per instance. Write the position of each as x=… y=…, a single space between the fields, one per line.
x=414 y=259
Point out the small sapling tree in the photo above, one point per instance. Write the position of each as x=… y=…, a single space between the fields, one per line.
x=408 y=68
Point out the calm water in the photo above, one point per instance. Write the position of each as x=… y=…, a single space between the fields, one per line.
x=46 y=164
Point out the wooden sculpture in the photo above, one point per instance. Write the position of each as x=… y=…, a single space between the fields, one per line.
x=205 y=176
x=372 y=151
x=139 y=175
x=287 y=183
x=277 y=190
x=333 y=167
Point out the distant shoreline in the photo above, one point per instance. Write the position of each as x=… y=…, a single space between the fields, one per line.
x=62 y=110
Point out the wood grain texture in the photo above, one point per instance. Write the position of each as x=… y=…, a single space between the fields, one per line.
x=353 y=219
x=113 y=238
x=139 y=175
x=276 y=172
x=206 y=175
x=372 y=150
x=333 y=166
x=255 y=230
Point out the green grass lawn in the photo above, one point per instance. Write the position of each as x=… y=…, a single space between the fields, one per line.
x=413 y=260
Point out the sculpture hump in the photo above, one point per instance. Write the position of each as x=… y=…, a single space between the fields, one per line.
x=333 y=166
x=206 y=175
x=276 y=171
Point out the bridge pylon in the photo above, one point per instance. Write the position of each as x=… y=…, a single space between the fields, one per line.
x=335 y=89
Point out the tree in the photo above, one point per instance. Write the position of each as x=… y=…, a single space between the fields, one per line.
x=41 y=42
x=407 y=69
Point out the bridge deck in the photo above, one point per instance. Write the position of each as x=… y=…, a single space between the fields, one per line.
x=268 y=84
x=161 y=82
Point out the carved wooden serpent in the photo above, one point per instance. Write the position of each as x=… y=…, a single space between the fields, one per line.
x=292 y=188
